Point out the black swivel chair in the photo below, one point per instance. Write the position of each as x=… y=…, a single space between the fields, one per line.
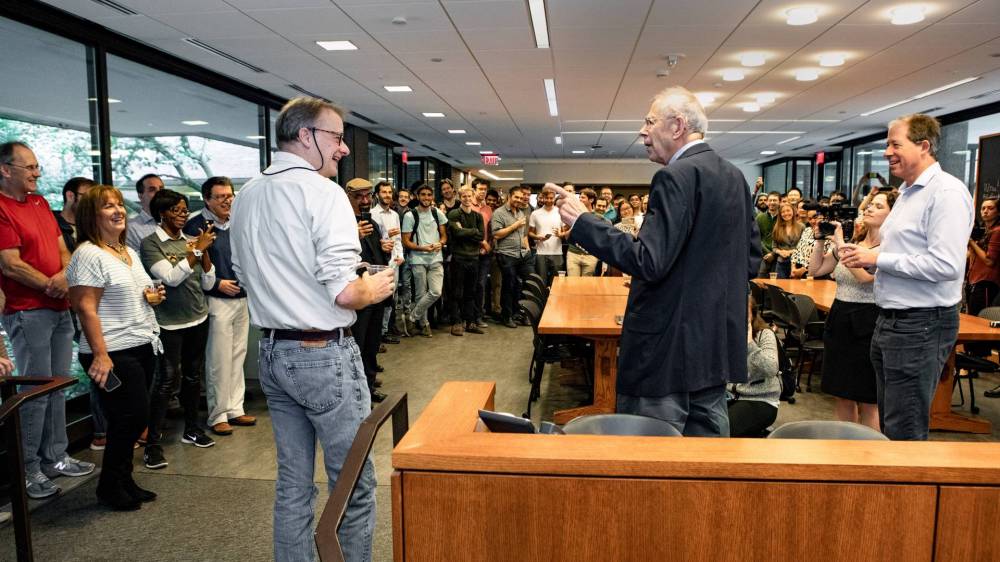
x=972 y=363
x=827 y=429
x=620 y=424
x=550 y=349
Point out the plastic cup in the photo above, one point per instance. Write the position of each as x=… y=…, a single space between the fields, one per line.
x=375 y=269
x=773 y=275
x=562 y=274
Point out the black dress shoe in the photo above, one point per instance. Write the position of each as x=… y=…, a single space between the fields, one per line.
x=137 y=493
x=379 y=369
x=389 y=339
x=378 y=384
x=993 y=392
x=378 y=396
x=118 y=500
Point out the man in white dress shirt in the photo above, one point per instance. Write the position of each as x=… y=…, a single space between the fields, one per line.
x=919 y=268
x=296 y=251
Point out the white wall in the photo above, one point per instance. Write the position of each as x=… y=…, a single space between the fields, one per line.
x=604 y=172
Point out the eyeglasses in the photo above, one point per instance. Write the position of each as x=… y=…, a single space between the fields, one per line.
x=32 y=168
x=652 y=121
x=338 y=136
x=224 y=197
x=179 y=211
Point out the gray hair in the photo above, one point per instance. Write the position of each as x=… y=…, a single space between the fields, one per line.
x=301 y=113
x=676 y=100
x=7 y=150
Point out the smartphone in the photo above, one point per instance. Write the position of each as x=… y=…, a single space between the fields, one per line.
x=113 y=382
x=366 y=216
x=994 y=323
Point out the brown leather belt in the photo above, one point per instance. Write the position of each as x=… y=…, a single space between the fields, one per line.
x=303 y=335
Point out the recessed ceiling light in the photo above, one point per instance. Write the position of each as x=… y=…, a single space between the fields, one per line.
x=806 y=74
x=832 y=59
x=550 y=95
x=433 y=114
x=706 y=98
x=788 y=140
x=803 y=15
x=194 y=123
x=768 y=152
x=398 y=88
x=457 y=131
x=337 y=45
x=908 y=14
x=473 y=143
x=255 y=137
x=751 y=107
x=579 y=152
x=536 y=8
x=558 y=140
x=732 y=74
x=753 y=59
x=766 y=98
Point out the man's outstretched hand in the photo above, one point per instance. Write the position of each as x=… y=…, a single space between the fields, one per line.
x=570 y=208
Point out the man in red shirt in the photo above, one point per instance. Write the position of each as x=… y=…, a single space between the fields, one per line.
x=33 y=259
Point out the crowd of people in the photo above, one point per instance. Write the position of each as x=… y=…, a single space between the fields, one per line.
x=162 y=300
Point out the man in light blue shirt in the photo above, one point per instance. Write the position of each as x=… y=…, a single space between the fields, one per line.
x=424 y=236
x=918 y=269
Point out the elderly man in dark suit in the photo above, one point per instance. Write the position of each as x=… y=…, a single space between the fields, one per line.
x=685 y=330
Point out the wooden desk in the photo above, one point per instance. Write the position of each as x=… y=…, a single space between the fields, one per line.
x=592 y=317
x=598 y=286
x=458 y=494
x=970 y=329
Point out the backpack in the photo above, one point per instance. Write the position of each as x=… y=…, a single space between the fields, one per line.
x=416 y=222
x=786 y=374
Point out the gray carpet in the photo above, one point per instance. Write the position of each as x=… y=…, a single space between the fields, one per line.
x=187 y=522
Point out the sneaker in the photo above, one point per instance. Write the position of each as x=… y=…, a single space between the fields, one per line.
x=98 y=443
x=509 y=323
x=482 y=324
x=993 y=392
x=69 y=467
x=457 y=330
x=426 y=331
x=474 y=328
x=197 y=438
x=38 y=486
x=411 y=326
x=153 y=457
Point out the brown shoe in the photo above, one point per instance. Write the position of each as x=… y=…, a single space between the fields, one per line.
x=243 y=420
x=457 y=330
x=222 y=428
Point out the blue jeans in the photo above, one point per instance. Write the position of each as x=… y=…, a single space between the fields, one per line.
x=43 y=347
x=702 y=413
x=428 y=281
x=909 y=350
x=316 y=390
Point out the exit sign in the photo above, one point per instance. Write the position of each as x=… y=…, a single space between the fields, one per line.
x=491 y=159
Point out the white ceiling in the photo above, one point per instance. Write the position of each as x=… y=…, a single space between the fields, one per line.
x=604 y=57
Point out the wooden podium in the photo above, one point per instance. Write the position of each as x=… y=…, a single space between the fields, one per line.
x=463 y=494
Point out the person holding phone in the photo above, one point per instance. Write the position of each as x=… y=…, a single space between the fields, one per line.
x=113 y=296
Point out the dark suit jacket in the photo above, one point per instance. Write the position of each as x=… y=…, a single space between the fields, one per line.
x=685 y=326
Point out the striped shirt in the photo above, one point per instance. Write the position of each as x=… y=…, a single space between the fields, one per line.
x=127 y=320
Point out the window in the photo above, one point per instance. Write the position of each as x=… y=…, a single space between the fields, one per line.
x=183 y=131
x=959 y=146
x=378 y=162
x=48 y=105
x=868 y=161
x=803 y=176
x=774 y=177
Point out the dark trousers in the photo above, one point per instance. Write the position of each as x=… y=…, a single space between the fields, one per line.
x=749 y=418
x=548 y=266
x=483 y=284
x=464 y=304
x=980 y=295
x=126 y=410
x=367 y=332
x=700 y=413
x=909 y=351
x=181 y=367
x=513 y=271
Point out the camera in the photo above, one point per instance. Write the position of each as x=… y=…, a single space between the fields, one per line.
x=978 y=231
x=838 y=213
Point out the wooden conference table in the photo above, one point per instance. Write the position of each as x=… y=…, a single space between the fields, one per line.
x=587 y=307
x=460 y=493
x=970 y=329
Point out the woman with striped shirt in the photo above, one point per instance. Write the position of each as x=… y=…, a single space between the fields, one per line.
x=113 y=297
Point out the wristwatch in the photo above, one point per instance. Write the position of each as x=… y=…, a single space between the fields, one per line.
x=197 y=253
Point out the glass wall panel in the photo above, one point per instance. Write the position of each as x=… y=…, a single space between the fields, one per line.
x=828 y=183
x=958 y=152
x=803 y=175
x=378 y=162
x=47 y=102
x=180 y=130
x=774 y=177
x=868 y=161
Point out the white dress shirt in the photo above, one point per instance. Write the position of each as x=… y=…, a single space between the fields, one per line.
x=387 y=219
x=295 y=247
x=922 y=260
